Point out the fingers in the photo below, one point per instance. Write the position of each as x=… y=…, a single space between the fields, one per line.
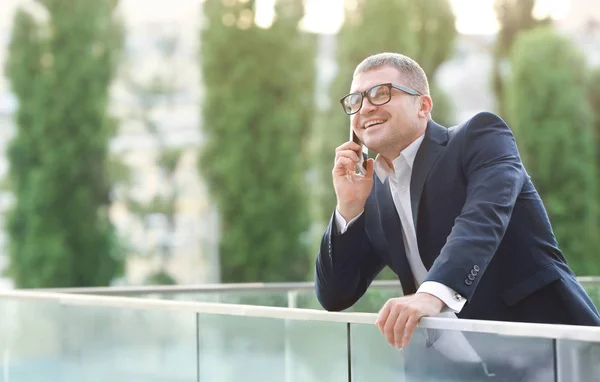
x=411 y=325
x=383 y=315
x=343 y=166
x=399 y=329
x=398 y=319
x=348 y=150
x=390 y=325
x=370 y=166
x=347 y=154
x=350 y=145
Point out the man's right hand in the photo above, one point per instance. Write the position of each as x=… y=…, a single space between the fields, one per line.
x=351 y=189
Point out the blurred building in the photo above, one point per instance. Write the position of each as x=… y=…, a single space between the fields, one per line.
x=582 y=24
x=466 y=76
x=194 y=242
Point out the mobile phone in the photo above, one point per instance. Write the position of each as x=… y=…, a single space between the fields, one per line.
x=362 y=155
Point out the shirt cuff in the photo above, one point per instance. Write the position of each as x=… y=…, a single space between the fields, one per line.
x=454 y=301
x=341 y=224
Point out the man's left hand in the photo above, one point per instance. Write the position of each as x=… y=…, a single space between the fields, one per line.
x=399 y=316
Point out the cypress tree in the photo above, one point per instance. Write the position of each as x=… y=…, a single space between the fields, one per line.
x=514 y=17
x=546 y=99
x=60 y=71
x=256 y=113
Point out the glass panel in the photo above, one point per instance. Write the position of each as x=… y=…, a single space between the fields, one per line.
x=372 y=358
x=577 y=361
x=267 y=298
x=454 y=356
x=250 y=349
x=46 y=341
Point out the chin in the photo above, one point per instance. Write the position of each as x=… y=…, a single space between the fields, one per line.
x=373 y=145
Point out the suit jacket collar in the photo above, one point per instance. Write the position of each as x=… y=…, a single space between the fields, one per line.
x=436 y=138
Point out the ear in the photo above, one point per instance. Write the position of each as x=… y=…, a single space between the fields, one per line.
x=426 y=106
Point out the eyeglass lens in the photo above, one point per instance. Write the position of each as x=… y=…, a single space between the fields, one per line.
x=377 y=95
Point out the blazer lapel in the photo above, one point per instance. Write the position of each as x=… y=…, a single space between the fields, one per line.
x=392 y=228
x=433 y=144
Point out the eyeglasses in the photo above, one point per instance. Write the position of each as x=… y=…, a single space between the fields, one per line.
x=378 y=95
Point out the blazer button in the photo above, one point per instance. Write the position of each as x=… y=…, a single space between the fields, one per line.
x=471 y=277
x=476 y=268
x=473 y=272
x=468 y=282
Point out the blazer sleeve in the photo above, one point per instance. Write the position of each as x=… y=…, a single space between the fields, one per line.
x=495 y=177
x=345 y=266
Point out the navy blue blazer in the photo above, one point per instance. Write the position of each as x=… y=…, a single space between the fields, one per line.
x=481 y=227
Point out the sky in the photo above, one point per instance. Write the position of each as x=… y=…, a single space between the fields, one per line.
x=473 y=16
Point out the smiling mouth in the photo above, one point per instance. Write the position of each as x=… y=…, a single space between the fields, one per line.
x=374 y=123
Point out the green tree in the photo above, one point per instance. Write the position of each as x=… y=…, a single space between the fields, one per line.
x=514 y=16
x=423 y=30
x=256 y=115
x=60 y=70
x=546 y=99
x=594 y=97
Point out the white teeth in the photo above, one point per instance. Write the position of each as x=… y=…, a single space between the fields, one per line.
x=371 y=123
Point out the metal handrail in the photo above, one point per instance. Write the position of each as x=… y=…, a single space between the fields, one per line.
x=204 y=288
x=562 y=332
x=238 y=287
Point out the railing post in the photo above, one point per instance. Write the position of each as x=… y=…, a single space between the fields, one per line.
x=292 y=300
x=576 y=361
x=292 y=297
x=349 y=350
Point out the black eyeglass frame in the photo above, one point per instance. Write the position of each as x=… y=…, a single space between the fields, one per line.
x=364 y=94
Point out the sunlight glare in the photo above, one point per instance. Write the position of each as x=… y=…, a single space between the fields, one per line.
x=323 y=16
x=265 y=13
x=472 y=16
x=556 y=9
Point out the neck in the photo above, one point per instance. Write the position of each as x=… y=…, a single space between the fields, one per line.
x=393 y=153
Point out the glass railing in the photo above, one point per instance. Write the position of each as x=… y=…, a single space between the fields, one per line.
x=296 y=295
x=46 y=340
x=66 y=337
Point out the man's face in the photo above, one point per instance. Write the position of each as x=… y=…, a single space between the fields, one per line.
x=389 y=128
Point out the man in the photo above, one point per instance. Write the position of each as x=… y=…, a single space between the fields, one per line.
x=452 y=212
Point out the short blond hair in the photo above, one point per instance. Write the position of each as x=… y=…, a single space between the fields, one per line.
x=411 y=71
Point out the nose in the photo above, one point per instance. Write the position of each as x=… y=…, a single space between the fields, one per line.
x=367 y=106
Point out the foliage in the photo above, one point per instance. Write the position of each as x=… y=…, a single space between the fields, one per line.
x=553 y=126
x=256 y=113
x=594 y=98
x=160 y=277
x=514 y=16
x=60 y=70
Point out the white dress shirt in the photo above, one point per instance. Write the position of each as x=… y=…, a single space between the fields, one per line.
x=400 y=188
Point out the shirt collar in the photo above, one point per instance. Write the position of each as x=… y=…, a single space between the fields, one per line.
x=383 y=169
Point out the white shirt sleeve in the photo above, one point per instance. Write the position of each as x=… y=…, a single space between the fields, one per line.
x=341 y=224
x=454 y=301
